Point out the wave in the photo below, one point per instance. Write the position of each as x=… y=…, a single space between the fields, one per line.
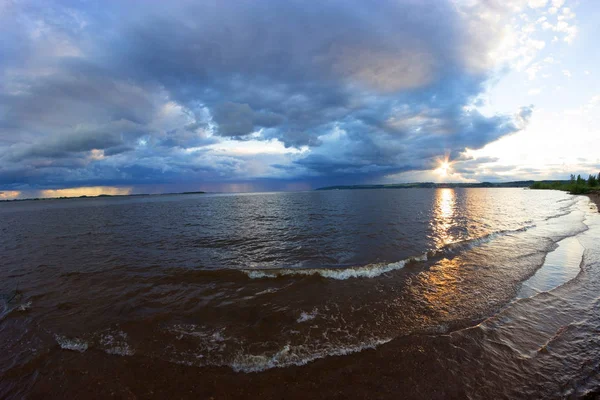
x=560 y=214
x=110 y=341
x=114 y=342
x=566 y=199
x=467 y=244
x=5 y=310
x=374 y=270
x=304 y=316
x=24 y=306
x=73 y=344
x=296 y=356
x=367 y=271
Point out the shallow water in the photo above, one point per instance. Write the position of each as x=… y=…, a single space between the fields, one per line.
x=237 y=293
x=560 y=266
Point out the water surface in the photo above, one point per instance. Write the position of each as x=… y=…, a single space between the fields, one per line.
x=162 y=295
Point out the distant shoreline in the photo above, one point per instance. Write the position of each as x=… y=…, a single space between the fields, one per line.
x=100 y=196
x=433 y=185
x=594 y=196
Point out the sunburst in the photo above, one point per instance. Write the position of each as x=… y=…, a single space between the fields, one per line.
x=444 y=167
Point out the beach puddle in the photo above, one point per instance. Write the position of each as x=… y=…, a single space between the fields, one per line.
x=560 y=266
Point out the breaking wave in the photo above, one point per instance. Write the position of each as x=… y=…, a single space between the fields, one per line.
x=367 y=271
x=296 y=356
x=110 y=341
x=304 y=316
x=374 y=270
x=115 y=342
x=73 y=344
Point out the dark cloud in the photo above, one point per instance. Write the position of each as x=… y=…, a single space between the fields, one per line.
x=235 y=120
x=111 y=151
x=142 y=92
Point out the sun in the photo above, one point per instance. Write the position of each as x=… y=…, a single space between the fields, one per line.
x=444 y=168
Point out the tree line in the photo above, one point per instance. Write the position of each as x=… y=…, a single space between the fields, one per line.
x=575 y=185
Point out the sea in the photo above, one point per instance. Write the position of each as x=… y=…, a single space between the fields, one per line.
x=393 y=293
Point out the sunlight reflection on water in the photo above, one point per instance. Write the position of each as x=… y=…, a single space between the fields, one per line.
x=443 y=216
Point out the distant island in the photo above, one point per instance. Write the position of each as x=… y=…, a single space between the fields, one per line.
x=433 y=185
x=98 y=196
x=574 y=185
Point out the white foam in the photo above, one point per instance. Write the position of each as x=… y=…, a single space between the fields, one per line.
x=5 y=310
x=267 y=291
x=208 y=340
x=187 y=330
x=114 y=342
x=74 y=344
x=304 y=316
x=367 y=271
x=217 y=337
x=296 y=356
x=124 y=350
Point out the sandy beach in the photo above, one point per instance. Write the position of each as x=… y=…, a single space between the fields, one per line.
x=595 y=197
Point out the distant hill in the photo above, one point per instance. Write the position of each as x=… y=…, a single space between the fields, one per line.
x=432 y=185
x=99 y=196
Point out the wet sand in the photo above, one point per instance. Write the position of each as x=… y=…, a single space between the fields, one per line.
x=595 y=197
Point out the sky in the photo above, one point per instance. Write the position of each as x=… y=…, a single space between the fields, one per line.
x=121 y=97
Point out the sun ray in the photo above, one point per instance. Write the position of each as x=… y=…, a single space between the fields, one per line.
x=444 y=167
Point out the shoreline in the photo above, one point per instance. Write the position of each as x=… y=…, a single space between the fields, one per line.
x=595 y=197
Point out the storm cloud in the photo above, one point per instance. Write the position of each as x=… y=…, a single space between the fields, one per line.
x=115 y=93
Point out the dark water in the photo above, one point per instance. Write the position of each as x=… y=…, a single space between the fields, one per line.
x=398 y=293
